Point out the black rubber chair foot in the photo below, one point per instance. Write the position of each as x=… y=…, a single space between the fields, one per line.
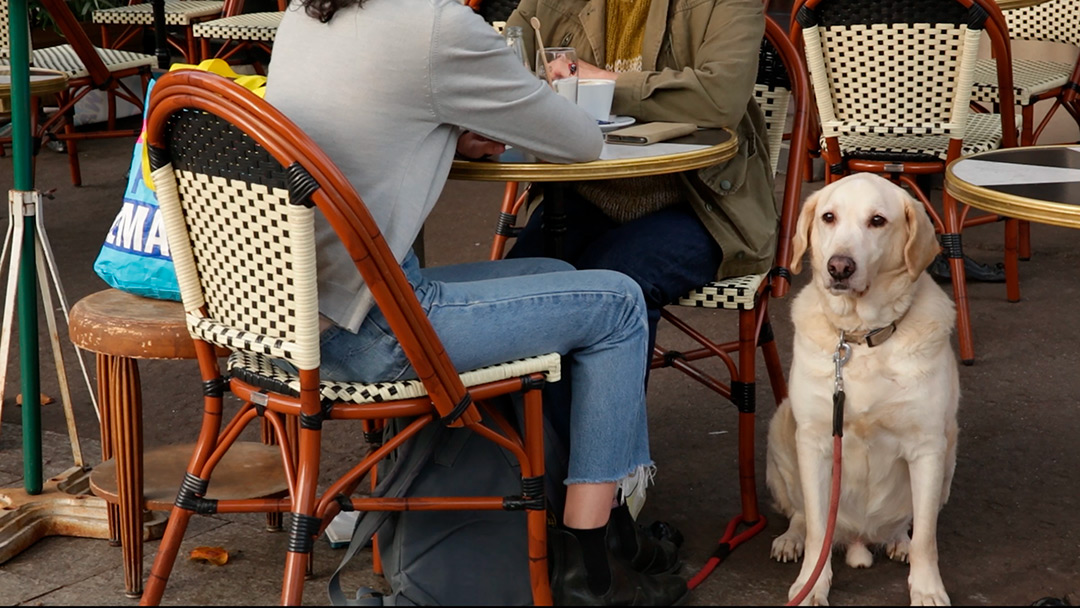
x=968 y=362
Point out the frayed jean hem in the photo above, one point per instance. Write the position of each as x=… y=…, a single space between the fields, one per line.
x=648 y=466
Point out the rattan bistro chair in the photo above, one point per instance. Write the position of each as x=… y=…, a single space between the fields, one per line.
x=138 y=16
x=239 y=185
x=781 y=81
x=237 y=33
x=88 y=68
x=1035 y=80
x=892 y=80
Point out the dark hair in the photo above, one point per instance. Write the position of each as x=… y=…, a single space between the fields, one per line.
x=324 y=10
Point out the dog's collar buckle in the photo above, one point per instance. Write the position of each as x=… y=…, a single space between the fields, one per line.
x=875 y=337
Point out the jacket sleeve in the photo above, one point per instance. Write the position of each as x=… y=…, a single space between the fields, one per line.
x=714 y=84
x=479 y=84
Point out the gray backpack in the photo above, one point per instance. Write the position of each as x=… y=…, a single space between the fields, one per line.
x=451 y=558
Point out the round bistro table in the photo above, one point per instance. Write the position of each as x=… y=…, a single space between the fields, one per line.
x=1034 y=183
x=703 y=148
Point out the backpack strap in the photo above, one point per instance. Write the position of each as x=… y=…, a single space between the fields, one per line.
x=394 y=485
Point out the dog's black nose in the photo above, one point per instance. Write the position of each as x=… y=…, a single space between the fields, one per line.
x=841 y=267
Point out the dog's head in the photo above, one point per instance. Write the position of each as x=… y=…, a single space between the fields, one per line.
x=861 y=228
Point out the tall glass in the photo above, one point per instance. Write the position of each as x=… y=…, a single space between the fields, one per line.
x=562 y=61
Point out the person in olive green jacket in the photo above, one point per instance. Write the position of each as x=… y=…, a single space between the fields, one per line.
x=673 y=61
x=689 y=61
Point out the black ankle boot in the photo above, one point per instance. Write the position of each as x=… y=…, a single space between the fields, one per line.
x=570 y=580
x=646 y=552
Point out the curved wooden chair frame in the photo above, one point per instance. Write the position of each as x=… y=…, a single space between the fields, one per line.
x=447 y=400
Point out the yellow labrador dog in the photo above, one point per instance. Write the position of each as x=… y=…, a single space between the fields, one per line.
x=869 y=244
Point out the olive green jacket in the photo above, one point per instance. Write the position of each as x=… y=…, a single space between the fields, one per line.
x=699 y=64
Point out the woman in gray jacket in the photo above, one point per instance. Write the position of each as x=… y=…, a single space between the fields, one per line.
x=391 y=90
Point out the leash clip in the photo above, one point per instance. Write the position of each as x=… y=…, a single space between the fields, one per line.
x=840 y=358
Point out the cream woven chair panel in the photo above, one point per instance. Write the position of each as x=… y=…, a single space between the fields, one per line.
x=773 y=95
x=1030 y=78
x=5 y=35
x=253 y=26
x=63 y=58
x=893 y=78
x=250 y=258
x=1052 y=21
x=737 y=293
x=177 y=12
x=983 y=133
x=259 y=370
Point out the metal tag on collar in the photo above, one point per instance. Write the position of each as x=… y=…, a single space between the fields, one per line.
x=880 y=335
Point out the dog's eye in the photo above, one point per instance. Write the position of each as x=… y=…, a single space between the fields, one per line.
x=828 y=217
x=878 y=221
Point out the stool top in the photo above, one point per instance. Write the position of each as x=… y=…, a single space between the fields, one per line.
x=114 y=322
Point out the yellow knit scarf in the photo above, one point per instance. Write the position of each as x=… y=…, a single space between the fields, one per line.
x=625 y=34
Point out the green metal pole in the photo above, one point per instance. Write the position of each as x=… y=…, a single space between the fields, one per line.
x=22 y=157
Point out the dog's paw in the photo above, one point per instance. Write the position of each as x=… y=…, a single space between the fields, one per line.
x=818 y=596
x=927 y=589
x=788 y=547
x=858 y=556
x=897 y=550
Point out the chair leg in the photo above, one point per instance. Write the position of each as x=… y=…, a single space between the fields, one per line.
x=273 y=519
x=1012 y=267
x=1024 y=247
x=536 y=519
x=954 y=251
x=304 y=526
x=746 y=402
x=72 y=148
x=166 y=556
x=772 y=362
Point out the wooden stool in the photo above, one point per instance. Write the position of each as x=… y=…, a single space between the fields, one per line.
x=122 y=328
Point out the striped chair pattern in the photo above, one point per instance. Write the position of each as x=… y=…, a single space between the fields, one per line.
x=237 y=34
x=139 y=17
x=88 y=68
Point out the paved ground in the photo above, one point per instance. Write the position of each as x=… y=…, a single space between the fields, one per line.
x=1010 y=534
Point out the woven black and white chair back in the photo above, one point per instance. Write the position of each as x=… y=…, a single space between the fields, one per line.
x=891 y=67
x=241 y=235
x=772 y=91
x=5 y=35
x=1051 y=21
x=497 y=10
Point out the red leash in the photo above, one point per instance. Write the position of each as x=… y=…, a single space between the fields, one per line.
x=834 y=506
x=725 y=546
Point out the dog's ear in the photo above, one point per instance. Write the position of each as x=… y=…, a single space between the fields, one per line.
x=922 y=244
x=801 y=242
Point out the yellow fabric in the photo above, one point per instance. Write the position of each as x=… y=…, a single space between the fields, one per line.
x=254 y=83
x=625 y=34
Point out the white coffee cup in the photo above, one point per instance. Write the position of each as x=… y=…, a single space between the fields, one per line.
x=595 y=95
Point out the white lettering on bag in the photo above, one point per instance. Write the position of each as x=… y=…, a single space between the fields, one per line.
x=130 y=231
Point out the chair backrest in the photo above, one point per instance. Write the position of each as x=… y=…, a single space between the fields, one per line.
x=898 y=67
x=1051 y=21
x=237 y=183
x=5 y=32
x=493 y=10
x=781 y=81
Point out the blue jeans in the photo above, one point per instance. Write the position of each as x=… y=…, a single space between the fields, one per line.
x=667 y=253
x=491 y=312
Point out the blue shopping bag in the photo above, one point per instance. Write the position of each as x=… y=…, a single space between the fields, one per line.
x=135 y=256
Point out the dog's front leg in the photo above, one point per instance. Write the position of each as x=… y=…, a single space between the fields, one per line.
x=814 y=473
x=924 y=581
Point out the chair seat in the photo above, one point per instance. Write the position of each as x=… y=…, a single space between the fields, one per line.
x=177 y=12
x=253 y=26
x=736 y=293
x=259 y=370
x=983 y=133
x=1030 y=78
x=63 y=58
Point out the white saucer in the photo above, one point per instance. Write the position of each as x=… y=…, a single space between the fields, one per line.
x=617 y=122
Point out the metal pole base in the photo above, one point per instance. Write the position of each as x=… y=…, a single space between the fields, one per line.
x=64 y=507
